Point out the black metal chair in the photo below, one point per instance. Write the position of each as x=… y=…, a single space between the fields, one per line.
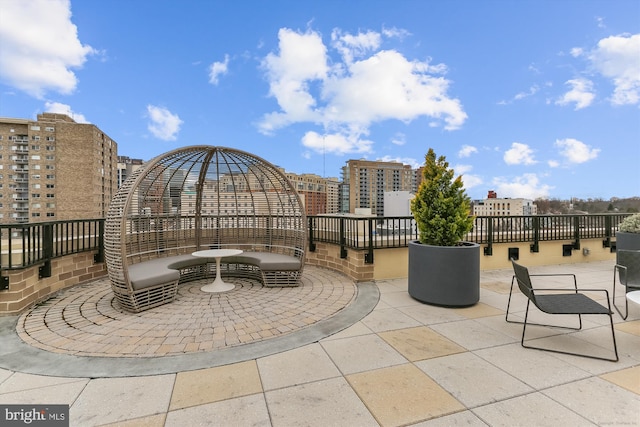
x=561 y=301
x=627 y=269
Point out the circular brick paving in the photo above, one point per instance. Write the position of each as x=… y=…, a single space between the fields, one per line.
x=86 y=320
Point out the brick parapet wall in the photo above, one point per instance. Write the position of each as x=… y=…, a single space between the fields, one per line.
x=353 y=265
x=27 y=289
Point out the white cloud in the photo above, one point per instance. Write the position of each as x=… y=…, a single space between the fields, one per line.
x=399 y=139
x=340 y=97
x=56 y=107
x=467 y=150
x=357 y=46
x=553 y=163
x=468 y=179
x=218 y=69
x=163 y=124
x=576 y=151
x=404 y=160
x=40 y=47
x=618 y=58
x=337 y=143
x=581 y=93
x=527 y=186
x=519 y=154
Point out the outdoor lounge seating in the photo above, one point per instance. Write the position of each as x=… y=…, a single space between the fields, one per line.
x=562 y=301
x=197 y=198
x=627 y=269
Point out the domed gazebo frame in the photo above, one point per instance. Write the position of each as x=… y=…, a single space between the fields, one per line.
x=196 y=198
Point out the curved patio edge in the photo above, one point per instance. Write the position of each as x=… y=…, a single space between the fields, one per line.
x=16 y=355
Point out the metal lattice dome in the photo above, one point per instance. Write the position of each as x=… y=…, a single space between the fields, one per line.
x=200 y=197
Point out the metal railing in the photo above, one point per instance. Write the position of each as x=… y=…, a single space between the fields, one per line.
x=26 y=245
x=370 y=233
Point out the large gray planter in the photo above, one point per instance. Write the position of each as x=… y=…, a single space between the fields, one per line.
x=445 y=275
x=629 y=241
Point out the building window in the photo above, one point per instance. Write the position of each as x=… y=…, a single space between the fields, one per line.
x=51 y=148
x=51 y=177
x=50 y=129
x=50 y=196
x=35 y=137
x=35 y=127
x=35 y=214
x=51 y=214
x=35 y=195
x=50 y=138
x=50 y=167
x=50 y=185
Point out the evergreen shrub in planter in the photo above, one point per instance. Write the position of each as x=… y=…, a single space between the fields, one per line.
x=628 y=235
x=443 y=269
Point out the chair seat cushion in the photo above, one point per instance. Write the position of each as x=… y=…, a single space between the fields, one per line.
x=569 y=304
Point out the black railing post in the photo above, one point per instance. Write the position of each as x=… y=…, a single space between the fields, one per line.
x=535 y=246
x=576 y=232
x=488 y=250
x=368 y=258
x=47 y=250
x=606 y=243
x=99 y=257
x=343 y=240
x=312 y=245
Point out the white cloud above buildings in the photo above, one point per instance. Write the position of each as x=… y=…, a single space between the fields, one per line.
x=576 y=152
x=519 y=154
x=526 y=186
x=217 y=69
x=40 y=47
x=581 y=93
x=59 y=108
x=163 y=124
x=335 y=93
x=467 y=150
x=618 y=58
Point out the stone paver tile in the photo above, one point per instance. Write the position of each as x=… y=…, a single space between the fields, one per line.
x=472 y=380
x=420 y=343
x=430 y=315
x=362 y=353
x=402 y=394
x=538 y=369
x=472 y=334
x=20 y=381
x=466 y=418
x=632 y=327
x=533 y=409
x=627 y=378
x=323 y=403
x=479 y=310
x=157 y=420
x=109 y=400
x=615 y=405
x=352 y=331
x=241 y=411
x=214 y=384
x=284 y=369
x=4 y=374
x=398 y=299
x=388 y=319
x=59 y=394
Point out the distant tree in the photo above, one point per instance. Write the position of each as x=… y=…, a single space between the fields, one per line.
x=610 y=207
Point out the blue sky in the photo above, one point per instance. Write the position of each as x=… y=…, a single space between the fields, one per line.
x=527 y=98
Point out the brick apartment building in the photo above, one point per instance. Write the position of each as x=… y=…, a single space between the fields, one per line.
x=54 y=168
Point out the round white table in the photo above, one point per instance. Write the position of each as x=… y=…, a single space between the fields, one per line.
x=218 y=284
x=634 y=296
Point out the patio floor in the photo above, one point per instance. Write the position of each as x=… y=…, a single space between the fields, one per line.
x=327 y=353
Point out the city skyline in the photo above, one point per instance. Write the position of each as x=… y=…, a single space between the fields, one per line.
x=530 y=99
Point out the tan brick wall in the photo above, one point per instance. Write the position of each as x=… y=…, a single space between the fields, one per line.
x=353 y=265
x=26 y=289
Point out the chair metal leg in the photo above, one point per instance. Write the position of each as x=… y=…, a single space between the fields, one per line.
x=524 y=327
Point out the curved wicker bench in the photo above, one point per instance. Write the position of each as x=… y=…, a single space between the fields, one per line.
x=196 y=198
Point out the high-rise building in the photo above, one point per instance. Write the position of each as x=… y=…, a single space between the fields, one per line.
x=367 y=182
x=320 y=194
x=127 y=166
x=53 y=168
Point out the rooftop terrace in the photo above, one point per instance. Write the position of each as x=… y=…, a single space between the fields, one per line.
x=331 y=352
